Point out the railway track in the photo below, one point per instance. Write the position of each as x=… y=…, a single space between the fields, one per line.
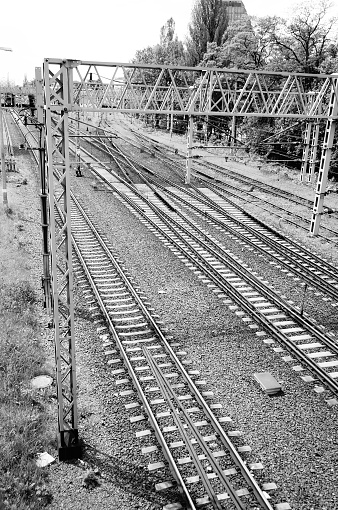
x=231 y=219
x=213 y=180
x=212 y=261
x=303 y=331
x=227 y=172
x=244 y=228
x=214 y=177
x=9 y=155
x=170 y=395
x=192 y=432
x=250 y=298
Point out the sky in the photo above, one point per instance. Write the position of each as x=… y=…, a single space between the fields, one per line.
x=100 y=30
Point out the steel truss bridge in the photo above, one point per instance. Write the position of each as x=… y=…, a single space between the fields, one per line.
x=67 y=86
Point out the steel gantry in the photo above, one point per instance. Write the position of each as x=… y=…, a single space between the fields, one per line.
x=68 y=88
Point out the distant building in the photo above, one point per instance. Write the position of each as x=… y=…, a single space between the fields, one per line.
x=235 y=9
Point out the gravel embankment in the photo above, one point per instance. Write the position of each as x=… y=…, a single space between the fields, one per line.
x=293 y=434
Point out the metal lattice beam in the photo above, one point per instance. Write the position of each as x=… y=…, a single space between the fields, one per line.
x=166 y=89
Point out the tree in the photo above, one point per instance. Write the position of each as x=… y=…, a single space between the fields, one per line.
x=330 y=64
x=246 y=45
x=209 y=22
x=167 y=33
x=170 y=51
x=302 y=43
x=248 y=42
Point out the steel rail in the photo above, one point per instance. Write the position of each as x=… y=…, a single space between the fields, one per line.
x=244 y=179
x=223 y=188
x=306 y=274
x=199 y=398
x=117 y=160
x=105 y=148
x=172 y=465
x=287 y=219
x=285 y=195
x=171 y=397
x=309 y=277
x=329 y=268
x=247 y=474
x=271 y=190
x=248 y=307
x=316 y=260
x=247 y=276
x=308 y=324
x=321 y=374
x=209 y=184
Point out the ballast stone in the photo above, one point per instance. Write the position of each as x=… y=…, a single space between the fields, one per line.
x=267 y=382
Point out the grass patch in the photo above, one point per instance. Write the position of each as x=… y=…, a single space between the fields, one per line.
x=25 y=428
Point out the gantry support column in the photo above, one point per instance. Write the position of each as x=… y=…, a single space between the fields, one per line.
x=325 y=159
x=313 y=151
x=306 y=149
x=189 y=149
x=233 y=135
x=46 y=278
x=3 y=161
x=59 y=89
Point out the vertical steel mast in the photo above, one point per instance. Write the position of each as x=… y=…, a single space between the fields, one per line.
x=325 y=159
x=44 y=192
x=58 y=90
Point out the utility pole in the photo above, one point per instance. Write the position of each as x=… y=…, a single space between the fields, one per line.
x=188 y=161
x=3 y=163
x=77 y=147
x=189 y=149
x=2 y=152
x=172 y=114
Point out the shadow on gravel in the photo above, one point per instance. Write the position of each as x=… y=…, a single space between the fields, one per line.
x=133 y=478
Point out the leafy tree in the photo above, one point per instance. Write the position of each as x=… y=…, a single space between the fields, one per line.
x=208 y=24
x=246 y=45
x=248 y=42
x=170 y=51
x=167 y=33
x=302 y=43
x=330 y=64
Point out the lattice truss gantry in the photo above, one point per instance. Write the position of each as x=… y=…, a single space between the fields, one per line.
x=213 y=92
x=70 y=86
